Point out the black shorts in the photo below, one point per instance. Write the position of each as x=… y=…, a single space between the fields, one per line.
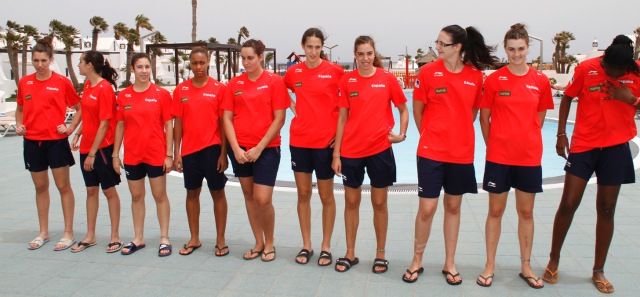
x=102 y=173
x=264 y=170
x=203 y=164
x=381 y=169
x=456 y=179
x=309 y=159
x=42 y=154
x=139 y=171
x=613 y=165
x=499 y=178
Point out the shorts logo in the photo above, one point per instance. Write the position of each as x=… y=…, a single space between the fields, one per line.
x=184 y=99
x=28 y=97
x=595 y=88
x=237 y=93
x=293 y=164
x=353 y=94
x=420 y=189
x=127 y=107
x=491 y=184
x=298 y=84
x=441 y=90
x=504 y=93
x=344 y=177
x=127 y=172
x=568 y=164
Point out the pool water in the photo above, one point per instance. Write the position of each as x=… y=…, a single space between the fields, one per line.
x=405 y=152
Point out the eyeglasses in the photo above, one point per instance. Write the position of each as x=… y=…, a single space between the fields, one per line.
x=442 y=44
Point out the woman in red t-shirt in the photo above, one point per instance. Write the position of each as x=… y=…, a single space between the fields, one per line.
x=512 y=111
x=43 y=99
x=95 y=142
x=363 y=141
x=254 y=111
x=145 y=126
x=609 y=92
x=445 y=105
x=313 y=130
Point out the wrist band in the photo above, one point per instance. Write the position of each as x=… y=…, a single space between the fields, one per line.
x=561 y=134
x=91 y=156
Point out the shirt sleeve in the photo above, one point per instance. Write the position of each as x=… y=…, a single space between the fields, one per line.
x=166 y=105
x=280 y=96
x=395 y=91
x=106 y=100
x=71 y=96
x=576 y=83
x=288 y=79
x=20 y=95
x=343 y=93
x=222 y=91
x=476 y=102
x=488 y=93
x=546 y=98
x=420 y=89
x=120 y=107
x=176 y=104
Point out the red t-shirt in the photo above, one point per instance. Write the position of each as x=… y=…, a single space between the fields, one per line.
x=600 y=122
x=98 y=104
x=370 y=120
x=446 y=132
x=314 y=125
x=144 y=115
x=515 y=137
x=44 y=104
x=199 y=109
x=253 y=104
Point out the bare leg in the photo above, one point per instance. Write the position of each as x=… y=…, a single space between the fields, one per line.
x=380 y=221
x=136 y=187
x=303 y=184
x=451 y=229
x=220 y=213
x=159 y=193
x=493 y=228
x=424 y=218
x=41 y=184
x=325 y=189
x=351 y=219
x=524 y=206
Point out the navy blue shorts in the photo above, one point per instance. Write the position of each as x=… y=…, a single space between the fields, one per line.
x=264 y=170
x=102 y=173
x=499 y=178
x=381 y=169
x=309 y=159
x=456 y=179
x=42 y=154
x=139 y=171
x=613 y=165
x=203 y=164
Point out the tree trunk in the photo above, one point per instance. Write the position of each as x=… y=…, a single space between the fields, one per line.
x=153 y=68
x=127 y=81
x=636 y=52
x=13 y=62
x=24 y=58
x=72 y=73
x=194 y=23
x=94 y=40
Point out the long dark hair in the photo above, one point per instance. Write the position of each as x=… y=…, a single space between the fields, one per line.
x=138 y=56
x=363 y=39
x=257 y=46
x=101 y=66
x=474 y=50
x=620 y=55
x=44 y=45
x=317 y=33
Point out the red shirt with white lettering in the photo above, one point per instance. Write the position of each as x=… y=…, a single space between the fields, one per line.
x=314 y=125
x=98 y=104
x=370 y=119
x=515 y=136
x=600 y=121
x=144 y=115
x=200 y=111
x=446 y=132
x=44 y=104
x=253 y=104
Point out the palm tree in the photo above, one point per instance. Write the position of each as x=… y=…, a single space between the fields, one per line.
x=12 y=39
x=120 y=30
x=144 y=23
x=68 y=35
x=267 y=59
x=29 y=32
x=560 y=58
x=132 y=38
x=243 y=32
x=157 y=38
x=99 y=26
x=636 y=51
x=194 y=23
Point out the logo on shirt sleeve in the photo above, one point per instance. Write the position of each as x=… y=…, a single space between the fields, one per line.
x=441 y=90
x=504 y=93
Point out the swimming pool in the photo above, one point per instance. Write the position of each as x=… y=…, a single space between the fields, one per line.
x=405 y=152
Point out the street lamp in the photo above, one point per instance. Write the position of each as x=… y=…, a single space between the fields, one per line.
x=330 y=49
x=541 y=60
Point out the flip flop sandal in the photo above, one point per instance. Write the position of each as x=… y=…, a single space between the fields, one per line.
x=417 y=271
x=164 y=247
x=552 y=276
x=531 y=281
x=484 y=283
x=37 y=243
x=603 y=286
x=66 y=243
x=190 y=248
x=81 y=246
x=324 y=255
x=453 y=277
x=306 y=254
x=264 y=255
x=131 y=248
x=346 y=263
x=117 y=244
x=379 y=262
x=219 y=250
x=252 y=254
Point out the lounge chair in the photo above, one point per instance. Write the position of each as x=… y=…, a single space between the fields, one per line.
x=7 y=122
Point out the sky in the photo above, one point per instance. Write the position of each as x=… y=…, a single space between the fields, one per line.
x=397 y=26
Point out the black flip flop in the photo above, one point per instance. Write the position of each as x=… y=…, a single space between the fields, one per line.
x=304 y=253
x=453 y=276
x=408 y=280
x=531 y=281
x=346 y=263
x=164 y=247
x=119 y=245
x=132 y=248
x=82 y=246
x=324 y=255
x=219 y=249
x=379 y=262
x=191 y=248
x=264 y=254
x=251 y=256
